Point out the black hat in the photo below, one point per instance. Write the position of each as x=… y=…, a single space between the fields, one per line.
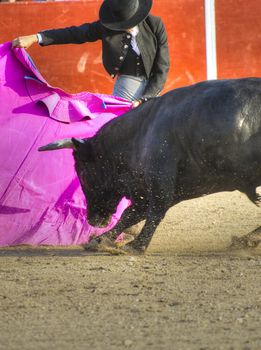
x=123 y=14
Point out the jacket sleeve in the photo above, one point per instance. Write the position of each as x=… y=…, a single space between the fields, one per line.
x=72 y=35
x=161 y=64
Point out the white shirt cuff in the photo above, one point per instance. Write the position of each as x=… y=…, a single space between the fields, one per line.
x=39 y=37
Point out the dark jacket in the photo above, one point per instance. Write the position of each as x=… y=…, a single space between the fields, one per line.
x=151 y=40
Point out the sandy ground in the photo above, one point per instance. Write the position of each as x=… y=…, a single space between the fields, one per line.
x=190 y=291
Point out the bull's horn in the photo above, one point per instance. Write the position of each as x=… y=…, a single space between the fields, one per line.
x=65 y=143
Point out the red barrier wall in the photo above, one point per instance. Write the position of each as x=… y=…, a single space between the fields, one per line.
x=238 y=31
x=78 y=67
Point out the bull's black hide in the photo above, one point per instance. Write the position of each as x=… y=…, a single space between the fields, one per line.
x=192 y=141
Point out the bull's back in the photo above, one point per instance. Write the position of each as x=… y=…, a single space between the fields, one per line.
x=211 y=127
x=209 y=133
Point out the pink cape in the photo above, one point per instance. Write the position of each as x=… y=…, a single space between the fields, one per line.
x=41 y=201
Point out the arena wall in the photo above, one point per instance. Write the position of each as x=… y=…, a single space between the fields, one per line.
x=78 y=68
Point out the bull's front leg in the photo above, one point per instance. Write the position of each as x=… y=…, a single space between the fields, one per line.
x=162 y=194
x=132 y=216
x=142 y=241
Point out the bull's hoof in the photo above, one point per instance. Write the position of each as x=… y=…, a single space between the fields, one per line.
x=133 y=249
x=103 y=245
x=92 y=245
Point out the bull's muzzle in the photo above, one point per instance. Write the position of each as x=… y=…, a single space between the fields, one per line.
x=98 y=221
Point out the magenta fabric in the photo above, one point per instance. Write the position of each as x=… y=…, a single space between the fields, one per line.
x=41 y=202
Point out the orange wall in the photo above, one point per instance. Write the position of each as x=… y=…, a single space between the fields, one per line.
x=238 y=31
x=78 y=67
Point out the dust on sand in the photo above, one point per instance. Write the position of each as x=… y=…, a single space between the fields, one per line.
x=190 y=290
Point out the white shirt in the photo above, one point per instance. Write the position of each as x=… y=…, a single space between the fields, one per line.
x=134 y=31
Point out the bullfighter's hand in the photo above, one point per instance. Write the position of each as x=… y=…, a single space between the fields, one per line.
x=25 y=41
x=136 y=103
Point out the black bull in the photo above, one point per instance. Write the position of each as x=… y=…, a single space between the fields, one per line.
x=190 y=142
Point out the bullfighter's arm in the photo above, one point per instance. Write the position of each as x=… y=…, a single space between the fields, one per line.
x=161 y=64
x=87 y=32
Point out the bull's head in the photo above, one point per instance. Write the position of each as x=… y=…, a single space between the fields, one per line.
x=95 y=178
